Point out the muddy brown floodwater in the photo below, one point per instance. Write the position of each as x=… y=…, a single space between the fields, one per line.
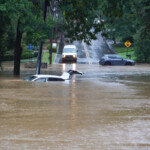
x=107 y=108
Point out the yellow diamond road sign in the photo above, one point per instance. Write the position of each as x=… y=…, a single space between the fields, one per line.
x=127 y=43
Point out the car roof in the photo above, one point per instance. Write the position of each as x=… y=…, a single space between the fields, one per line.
x=46 y=76
x=69 y=46
x=112 y=55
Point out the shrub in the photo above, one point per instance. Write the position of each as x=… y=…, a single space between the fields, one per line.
x=9 y=57
x=130 y=38
x=142 y=51
x=26 y=54
x=54 y=50
x=35 y=54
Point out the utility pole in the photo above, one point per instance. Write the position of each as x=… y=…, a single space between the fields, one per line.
x=53 y=12
x=38 y=65
x=52 y=7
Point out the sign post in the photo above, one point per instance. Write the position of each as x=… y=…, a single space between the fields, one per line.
x=127 y=44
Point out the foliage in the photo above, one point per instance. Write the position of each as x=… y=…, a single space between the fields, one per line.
x=6 y=32
x=142 y=52
x=9 y=56
x=35 y=53
x=120 y=48
x=129 y=38
x=27 y=55
x=142 y=35
x=78 y=20
x=129 y=53
x=84 y=18
x=39 y=30
x=45 y=57
x=134 y=24
x=54 y=49
x=25 y=17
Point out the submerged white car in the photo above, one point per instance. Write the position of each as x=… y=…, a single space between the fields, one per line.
x=69 y=53
x=47 y=78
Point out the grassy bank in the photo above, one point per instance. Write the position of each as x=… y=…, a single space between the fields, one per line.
x=45 y=58
x=123 y=51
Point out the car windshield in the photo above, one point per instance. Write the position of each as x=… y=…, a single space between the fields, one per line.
x=40 y=80
x=69 y=50
x=30 y=78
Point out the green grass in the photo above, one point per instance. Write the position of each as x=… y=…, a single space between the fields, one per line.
x=45 y=57
x=27 y=60
x=129 y=53
x=123 y=51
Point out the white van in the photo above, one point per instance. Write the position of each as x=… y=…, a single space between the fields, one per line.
x=69 y=53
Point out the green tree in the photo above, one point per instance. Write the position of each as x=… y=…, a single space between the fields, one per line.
x=6 y=32
x=79 y=19
x=142 y=36
x=27 y=18
x=84 y=18
x=134 y=22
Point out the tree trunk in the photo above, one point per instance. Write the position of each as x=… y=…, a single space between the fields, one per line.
x=38 y=65
x=61 y=44
x=18 y=50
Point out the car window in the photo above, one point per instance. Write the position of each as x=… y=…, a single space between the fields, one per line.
x=112 y=57
x=55 y=79
x=40 y=80
x=30 y=78
x=119 y=57
x=69 y=50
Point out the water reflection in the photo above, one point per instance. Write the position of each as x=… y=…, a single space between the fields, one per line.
x=73 y=106
x=66 y=67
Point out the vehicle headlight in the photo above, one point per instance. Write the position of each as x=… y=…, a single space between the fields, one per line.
x=74 y=56
x=63 y=56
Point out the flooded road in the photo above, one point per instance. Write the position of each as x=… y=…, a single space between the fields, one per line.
x=105 y=108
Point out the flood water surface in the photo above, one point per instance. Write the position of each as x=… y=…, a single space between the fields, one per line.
x=105 y=108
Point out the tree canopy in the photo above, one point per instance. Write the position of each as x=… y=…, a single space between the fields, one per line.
x=24 y=19
x=134 y=23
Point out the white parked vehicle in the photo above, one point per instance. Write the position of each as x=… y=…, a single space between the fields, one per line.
x=69 y=53
x=47 y=78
